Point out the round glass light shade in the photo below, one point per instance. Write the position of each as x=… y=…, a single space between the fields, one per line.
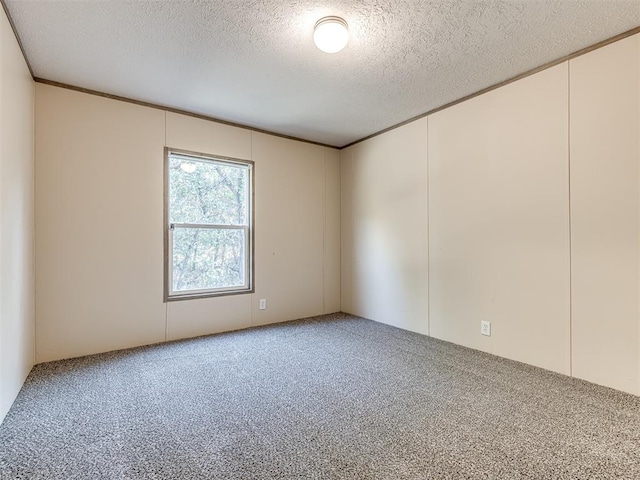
x=331 y=34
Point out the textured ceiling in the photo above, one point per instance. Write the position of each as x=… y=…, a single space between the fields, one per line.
x=254 y=61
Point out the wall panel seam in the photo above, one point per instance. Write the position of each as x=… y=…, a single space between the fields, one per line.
x=637 y=392
x=352 y=242
x=428 y=233
x=570 y=218
x=35 y=329
x=324 y=228
x=254 y=237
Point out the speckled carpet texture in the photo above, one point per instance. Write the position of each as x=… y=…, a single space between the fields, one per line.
x=332 y=397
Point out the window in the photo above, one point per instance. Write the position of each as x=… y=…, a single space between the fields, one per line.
x=209 y=225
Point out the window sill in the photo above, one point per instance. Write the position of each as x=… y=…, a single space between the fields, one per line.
x=199 y=295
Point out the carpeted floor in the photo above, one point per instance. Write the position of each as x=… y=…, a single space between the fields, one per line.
x=333 y=397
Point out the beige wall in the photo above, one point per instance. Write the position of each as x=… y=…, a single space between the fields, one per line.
x=99 y=226
x=499 y=221
x=16 y=218
x=533 y=200
x=385 y=229
x=605 y=214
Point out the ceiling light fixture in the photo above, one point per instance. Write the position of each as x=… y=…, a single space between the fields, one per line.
x=331 y=34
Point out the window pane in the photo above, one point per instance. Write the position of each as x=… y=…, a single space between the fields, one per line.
x=208 y=258
x=207 y=192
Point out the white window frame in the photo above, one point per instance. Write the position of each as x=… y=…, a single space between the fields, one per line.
x=170 y=227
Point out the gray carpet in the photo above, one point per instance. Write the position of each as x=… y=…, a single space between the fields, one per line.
x=333 y=397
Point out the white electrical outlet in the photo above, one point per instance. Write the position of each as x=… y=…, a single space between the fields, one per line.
x=485 y=328
x=263 y=304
